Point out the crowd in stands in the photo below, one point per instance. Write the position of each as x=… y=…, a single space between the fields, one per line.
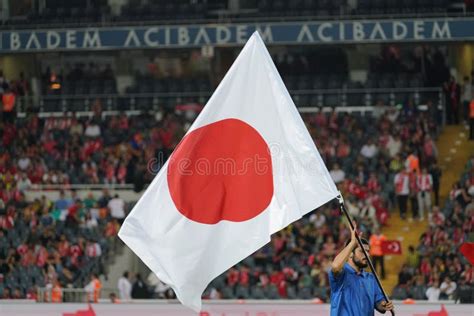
x=56 y=243
x=380 y=160
x=435 y=268
x=80 y=12
x=70 y=150
x=363 y=153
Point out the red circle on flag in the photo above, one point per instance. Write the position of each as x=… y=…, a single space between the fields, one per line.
x=221 y=171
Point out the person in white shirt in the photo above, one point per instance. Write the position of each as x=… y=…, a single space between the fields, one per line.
x=369 y=150
x=402 y=190
x=337 y=174
x=425 y=187
x=23 y=183
x=368 y=210
x=432 y=293
x=160 y=289
x=393 y=113
x=24 y=162
x=92 y=130
x=90 y=221
x=318 y=219
x=117 y=208
x=447 y=288
x=124 y=287
x=394 y=145
x=352 y=207
x=93 y=249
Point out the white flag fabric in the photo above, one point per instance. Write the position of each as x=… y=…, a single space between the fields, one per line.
x=246 y=168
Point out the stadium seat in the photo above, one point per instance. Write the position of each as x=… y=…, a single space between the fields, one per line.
x=272 y=292
x=305 y=293
x=377 y=7
x=291 y=292
x=399 y=293
x=257 y=293
x=242 y=292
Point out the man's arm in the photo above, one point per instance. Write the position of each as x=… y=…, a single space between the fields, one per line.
x=338 y=264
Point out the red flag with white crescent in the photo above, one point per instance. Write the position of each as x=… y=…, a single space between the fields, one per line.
x=391 y=247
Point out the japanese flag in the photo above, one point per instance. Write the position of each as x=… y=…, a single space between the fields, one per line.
x=246 y=168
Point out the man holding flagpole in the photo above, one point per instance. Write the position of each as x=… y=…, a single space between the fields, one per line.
x=354 y=292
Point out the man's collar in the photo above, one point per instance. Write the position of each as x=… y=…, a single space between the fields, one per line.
x=354 y=271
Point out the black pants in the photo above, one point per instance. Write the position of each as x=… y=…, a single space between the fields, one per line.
x=378 y=260
x=471 y=128
x=402 y=205
x=414 y=206
x=436 y=194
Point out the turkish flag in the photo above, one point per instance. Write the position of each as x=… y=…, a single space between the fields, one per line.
x=442 y=312
x=88 y=312
x=467 y=249
x=391 y=247
x=246 y=168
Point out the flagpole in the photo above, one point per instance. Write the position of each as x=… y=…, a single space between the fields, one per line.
x=359 y=241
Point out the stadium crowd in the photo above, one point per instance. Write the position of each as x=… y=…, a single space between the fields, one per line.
x=55 y=244
x=435 y=269
x=119 y=149
x=381 y=160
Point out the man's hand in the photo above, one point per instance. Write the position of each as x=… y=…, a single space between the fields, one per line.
x=353 y=236
x=386 y=306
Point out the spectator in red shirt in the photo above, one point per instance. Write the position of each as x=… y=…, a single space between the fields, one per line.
x=232 y=277
x=244 y=276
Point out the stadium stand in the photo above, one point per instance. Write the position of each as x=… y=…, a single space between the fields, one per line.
x=315 y=77
x=115 y=150
x=86 y=150
x=435 y=269
x=99 y=123
x=137 y=11
x=50 y=243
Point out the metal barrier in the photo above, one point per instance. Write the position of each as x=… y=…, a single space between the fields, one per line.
x=52 y=187
x=72 y=295
x=68 y=295
x=155 y=101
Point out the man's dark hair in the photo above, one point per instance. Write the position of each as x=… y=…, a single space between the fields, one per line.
x=363 y=240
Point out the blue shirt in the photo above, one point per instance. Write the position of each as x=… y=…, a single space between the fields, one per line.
x=352 y=293
x=62 y=204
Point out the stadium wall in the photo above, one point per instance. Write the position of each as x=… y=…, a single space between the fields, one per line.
x=283 y=33
x=221 y=308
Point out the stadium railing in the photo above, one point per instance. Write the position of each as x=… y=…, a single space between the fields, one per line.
x=70 y=295
x=79 y=295
x=155 y=101
x=76 y=187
